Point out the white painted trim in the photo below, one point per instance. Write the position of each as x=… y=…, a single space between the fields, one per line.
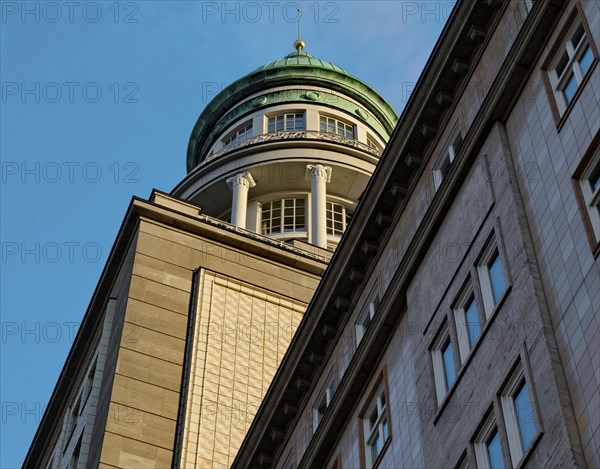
x=511 y=419
x=460 y=319
x=483 y=271
x=439 y=367
x=480 y=444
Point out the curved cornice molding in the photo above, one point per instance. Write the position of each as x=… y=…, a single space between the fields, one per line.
x=304 y=75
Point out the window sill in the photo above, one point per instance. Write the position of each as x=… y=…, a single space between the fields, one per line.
x=464 y=366
x=523 y=461
x=497 y=306
x=381 y=453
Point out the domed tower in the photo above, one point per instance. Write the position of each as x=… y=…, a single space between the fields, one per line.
x=192 y=317
x=287 y=150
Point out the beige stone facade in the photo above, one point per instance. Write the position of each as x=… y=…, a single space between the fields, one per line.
x=188 y=293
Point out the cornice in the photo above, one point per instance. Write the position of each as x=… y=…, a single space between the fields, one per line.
x=380 y=209
x=304 y=139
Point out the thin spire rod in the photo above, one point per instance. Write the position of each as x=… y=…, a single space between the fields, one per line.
x=299 y=45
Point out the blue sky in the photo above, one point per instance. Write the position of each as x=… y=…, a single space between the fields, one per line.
x=98 y=100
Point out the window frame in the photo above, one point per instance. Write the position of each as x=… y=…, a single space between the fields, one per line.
x=296 y=229
x=443 y=339
x=74 y=412
x=89 y=380
x=520 y=375
x=238 y=134
x=379 y=388
x=284 y=115
x=330 y=222
x=326 y=394
x=560 y=108
x=76 y=454
x=481 y=442
x=337 y=121
x=488 y=296
x=451 y=149
x=367 y=313
x=459 y=310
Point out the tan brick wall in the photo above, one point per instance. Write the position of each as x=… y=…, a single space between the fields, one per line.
x=241 y=335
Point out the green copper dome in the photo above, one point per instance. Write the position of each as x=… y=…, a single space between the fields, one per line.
x=300 y=71
x=301 y=59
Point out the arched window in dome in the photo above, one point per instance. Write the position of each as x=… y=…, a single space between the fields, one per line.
x=336 y=126
x=289 y=121
x=283 y=216
x=241 y=133
x=338 y=217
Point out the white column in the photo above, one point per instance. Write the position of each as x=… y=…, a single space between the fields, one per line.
x=240 y=184
x=253 y=216
x=319 y=177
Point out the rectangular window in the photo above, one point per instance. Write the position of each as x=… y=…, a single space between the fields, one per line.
x=283 y=216
x=466 y=317
x=292 y=121
x=323 y=401
x=335 y=126
x=519 y=416
x=367 y=314
x=569 y=64
x=72 y=420
x=449 y=370
x=496 y=274
x=338 y=217
x=74 y=461
x=491 y=277
x=444 y=367
x=240 y=134
x=372 y=143
x=375 y=425
x=488 y=449
x=494 y=451
x=452 y=147
x=472 y=321
x=524 y=413
x=89 y=382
